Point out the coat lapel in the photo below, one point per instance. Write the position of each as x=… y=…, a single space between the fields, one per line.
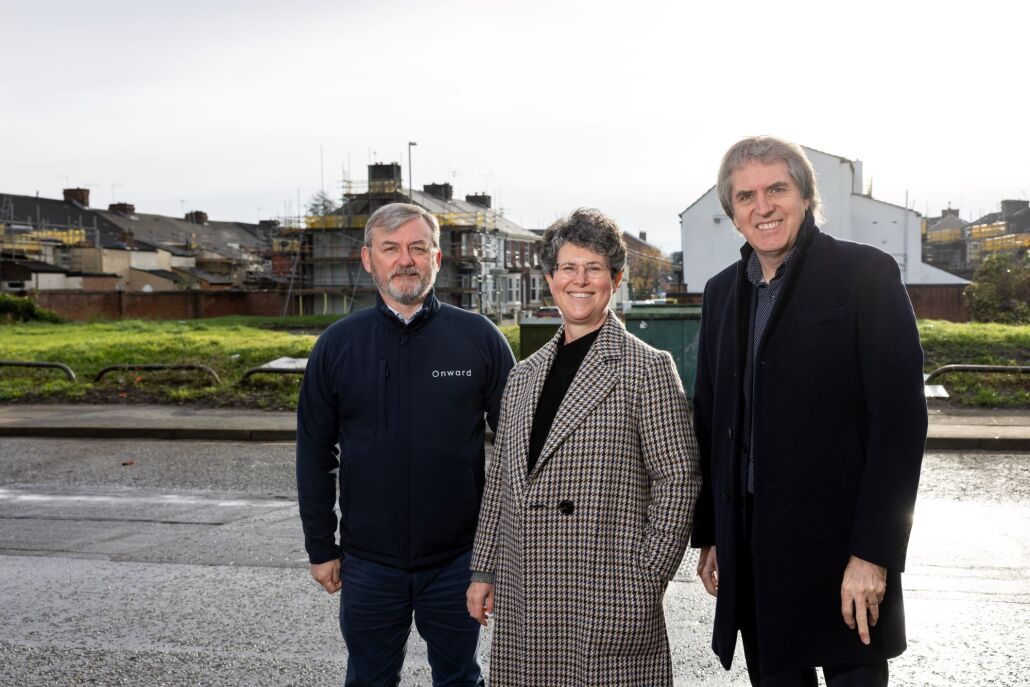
x=522 y=422
x=593 y=382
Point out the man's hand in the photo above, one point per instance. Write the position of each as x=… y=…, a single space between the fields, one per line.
x=328 y=575
x=862 y=592
x=708 y=570
x=480 y=601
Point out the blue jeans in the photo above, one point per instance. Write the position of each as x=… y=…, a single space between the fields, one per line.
x=376 y=606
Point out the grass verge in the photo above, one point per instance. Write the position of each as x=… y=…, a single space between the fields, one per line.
x=232 y=345
x=975 y=343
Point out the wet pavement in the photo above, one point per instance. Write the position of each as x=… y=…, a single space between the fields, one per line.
x=129 y=562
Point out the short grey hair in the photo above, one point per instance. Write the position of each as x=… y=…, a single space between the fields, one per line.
x=769 y=150
x=391 y=216
x=587 y=228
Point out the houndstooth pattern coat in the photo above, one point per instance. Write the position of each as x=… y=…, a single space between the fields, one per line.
x=582 y=548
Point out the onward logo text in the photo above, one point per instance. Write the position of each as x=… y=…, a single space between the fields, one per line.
x=452 y=373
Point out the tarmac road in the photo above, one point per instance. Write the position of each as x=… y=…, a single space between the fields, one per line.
x=132 y=562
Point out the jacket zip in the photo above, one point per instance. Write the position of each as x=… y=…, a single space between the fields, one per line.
x=384 y=375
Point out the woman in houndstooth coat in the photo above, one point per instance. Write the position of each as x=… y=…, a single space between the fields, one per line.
x=590 y=494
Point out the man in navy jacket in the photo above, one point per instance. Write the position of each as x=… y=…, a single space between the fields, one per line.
x=811 y=419
x=394 y=399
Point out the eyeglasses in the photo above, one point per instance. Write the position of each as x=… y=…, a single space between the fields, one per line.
x=570 y=270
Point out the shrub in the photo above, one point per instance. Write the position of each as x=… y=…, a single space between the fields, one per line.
x=16 y=309
x=1000 y=291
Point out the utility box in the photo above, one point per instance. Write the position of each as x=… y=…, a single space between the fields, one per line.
x=671 y=328
x=534 y=332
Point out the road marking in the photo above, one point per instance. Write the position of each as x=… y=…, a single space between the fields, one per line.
x=16 y=496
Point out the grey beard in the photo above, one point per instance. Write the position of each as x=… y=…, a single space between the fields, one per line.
x=406 y=297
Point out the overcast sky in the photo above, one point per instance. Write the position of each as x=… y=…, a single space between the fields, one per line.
x=230 y=106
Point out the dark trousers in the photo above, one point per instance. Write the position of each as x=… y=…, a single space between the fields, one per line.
x=868 y=675
x=377 y=603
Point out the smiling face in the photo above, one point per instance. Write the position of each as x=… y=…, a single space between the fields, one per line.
x=403 y=264
x=582 y=285
x=768 y=210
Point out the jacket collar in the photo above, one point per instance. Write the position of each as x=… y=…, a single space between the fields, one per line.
x=430 y=306
x=741 y=303
x=593 y=382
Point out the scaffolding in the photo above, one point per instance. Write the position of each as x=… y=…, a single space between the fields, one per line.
x=1006 y=243
x=38 y=238
x=319 y=258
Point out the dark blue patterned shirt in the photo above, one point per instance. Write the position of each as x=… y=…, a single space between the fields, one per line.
x=763 y=297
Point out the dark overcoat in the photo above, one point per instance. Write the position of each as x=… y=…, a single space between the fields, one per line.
x=582 y=548
x=839 y=431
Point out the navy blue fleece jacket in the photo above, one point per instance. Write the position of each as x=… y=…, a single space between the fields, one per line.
x=406 y=406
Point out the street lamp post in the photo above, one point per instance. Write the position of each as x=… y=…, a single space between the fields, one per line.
x=411 y=184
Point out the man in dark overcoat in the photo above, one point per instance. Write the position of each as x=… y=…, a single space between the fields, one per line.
x=811 y=419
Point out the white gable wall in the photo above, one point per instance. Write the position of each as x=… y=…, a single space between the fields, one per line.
x=834 y=178
x=887 y=227
x=710 y=241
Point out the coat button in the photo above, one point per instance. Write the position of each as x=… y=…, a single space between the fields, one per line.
x=566 y=507
x=726 y=495
x=729 y=433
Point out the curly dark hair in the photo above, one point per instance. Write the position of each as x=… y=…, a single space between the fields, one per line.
x=587 y=228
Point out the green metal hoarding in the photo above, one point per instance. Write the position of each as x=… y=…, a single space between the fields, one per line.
x=534 y=332
x=671 y=328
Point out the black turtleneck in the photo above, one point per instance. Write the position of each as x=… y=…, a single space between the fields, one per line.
x=563 y=370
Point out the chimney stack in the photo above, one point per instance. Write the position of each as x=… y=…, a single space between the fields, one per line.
x=79 y=196
x=481 y=199
x=123 y=208
x=442 y=191
x=1011 y=207
x=197 y=217
x=643 y=236
x=384 y=178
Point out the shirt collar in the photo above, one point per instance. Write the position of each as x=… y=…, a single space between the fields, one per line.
x=754 y=267
x=402 y=318
x=429 y=306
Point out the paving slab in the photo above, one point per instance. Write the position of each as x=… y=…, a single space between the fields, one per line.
x=960 y=429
